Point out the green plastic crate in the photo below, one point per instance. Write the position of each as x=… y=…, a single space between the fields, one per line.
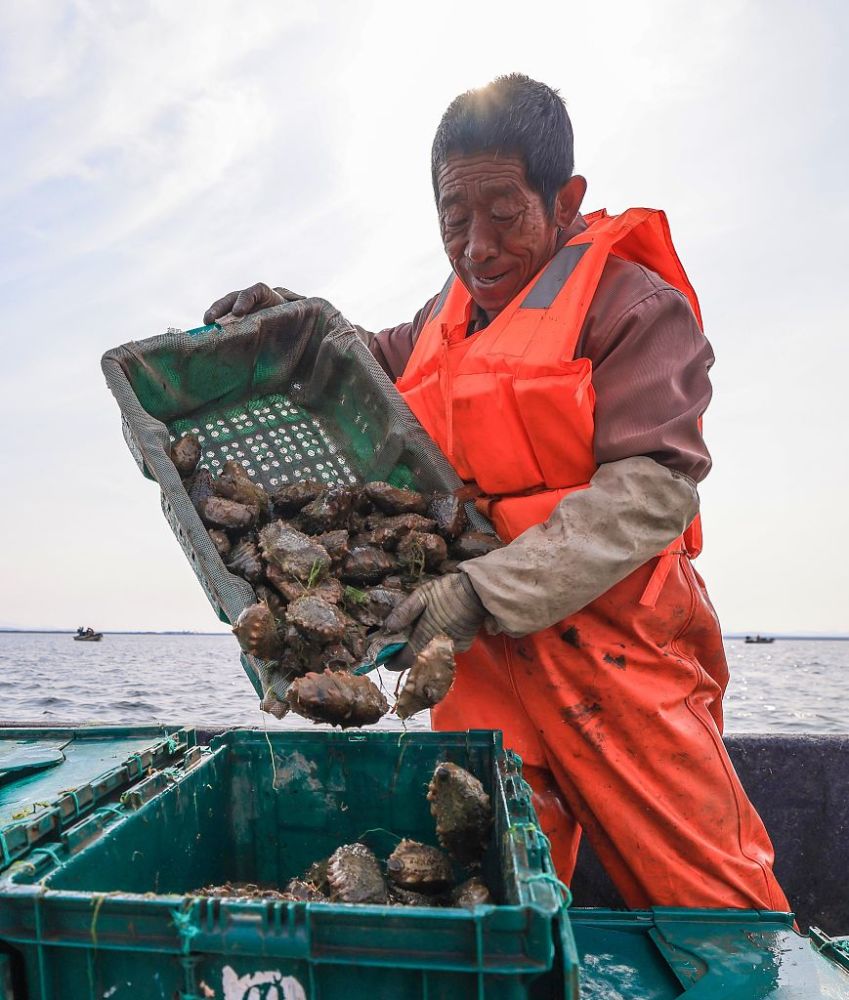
x=291 y=393
x=107 y=914
x=51 y=779
x=674 y=953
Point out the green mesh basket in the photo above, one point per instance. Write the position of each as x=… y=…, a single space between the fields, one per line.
x=291 y=393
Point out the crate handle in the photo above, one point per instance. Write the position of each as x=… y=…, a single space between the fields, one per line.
x=385 y=654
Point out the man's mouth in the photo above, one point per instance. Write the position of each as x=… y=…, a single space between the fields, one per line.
x=490 y=279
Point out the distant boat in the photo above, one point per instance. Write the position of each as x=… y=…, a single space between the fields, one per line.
x=759 y=638
x=87 y=635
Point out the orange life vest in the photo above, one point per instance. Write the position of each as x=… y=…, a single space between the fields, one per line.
x=511 y=406
x=618 y=708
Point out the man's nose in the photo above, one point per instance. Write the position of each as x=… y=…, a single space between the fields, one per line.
x=482 y=244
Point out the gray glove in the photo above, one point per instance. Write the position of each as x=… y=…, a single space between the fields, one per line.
x=447 y=606
x=249 y=300
x=591 y=540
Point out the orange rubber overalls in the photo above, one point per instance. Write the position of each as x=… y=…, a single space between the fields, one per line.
x=616 y=710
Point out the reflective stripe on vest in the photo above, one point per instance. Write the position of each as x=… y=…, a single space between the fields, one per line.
x=510 y=405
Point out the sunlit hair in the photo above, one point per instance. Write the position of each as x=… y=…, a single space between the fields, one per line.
x=513 y=115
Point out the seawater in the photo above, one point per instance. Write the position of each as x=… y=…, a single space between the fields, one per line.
x=788 y=686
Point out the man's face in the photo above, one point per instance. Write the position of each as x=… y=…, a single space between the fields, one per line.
x=495 y=228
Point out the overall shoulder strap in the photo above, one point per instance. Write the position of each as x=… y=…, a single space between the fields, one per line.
x=642 y=235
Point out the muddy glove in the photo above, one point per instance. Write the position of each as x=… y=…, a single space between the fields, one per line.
x=592 y=539
x=249 y=300
x=447 y=606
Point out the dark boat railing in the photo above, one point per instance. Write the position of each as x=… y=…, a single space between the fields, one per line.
x=798 y=785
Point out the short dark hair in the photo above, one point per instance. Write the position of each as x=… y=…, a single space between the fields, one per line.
x=512 y=115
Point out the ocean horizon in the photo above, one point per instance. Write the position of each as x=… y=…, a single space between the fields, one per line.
x=796 y=636
x=145 y=677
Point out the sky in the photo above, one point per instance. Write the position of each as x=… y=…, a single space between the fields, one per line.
x=157 y=155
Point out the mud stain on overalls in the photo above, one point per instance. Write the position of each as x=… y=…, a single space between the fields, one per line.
x=582 y=716
x=617 y=661
x=571 y=637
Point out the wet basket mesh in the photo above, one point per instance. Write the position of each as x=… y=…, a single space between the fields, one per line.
x=291 y=393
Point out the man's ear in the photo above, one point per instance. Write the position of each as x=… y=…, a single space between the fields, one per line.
x=569 y=199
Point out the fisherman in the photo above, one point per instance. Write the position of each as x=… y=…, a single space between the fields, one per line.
x=563 y=371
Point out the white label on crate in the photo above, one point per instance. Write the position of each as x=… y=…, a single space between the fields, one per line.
x=271 y=985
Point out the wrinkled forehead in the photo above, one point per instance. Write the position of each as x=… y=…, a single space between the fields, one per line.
x=483 y=175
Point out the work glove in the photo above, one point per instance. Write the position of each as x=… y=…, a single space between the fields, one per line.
x=249 y=300
x=447 y=606
x=592 y=539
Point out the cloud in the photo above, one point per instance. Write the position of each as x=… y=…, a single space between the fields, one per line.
x=160 y=154
x=143 y=111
